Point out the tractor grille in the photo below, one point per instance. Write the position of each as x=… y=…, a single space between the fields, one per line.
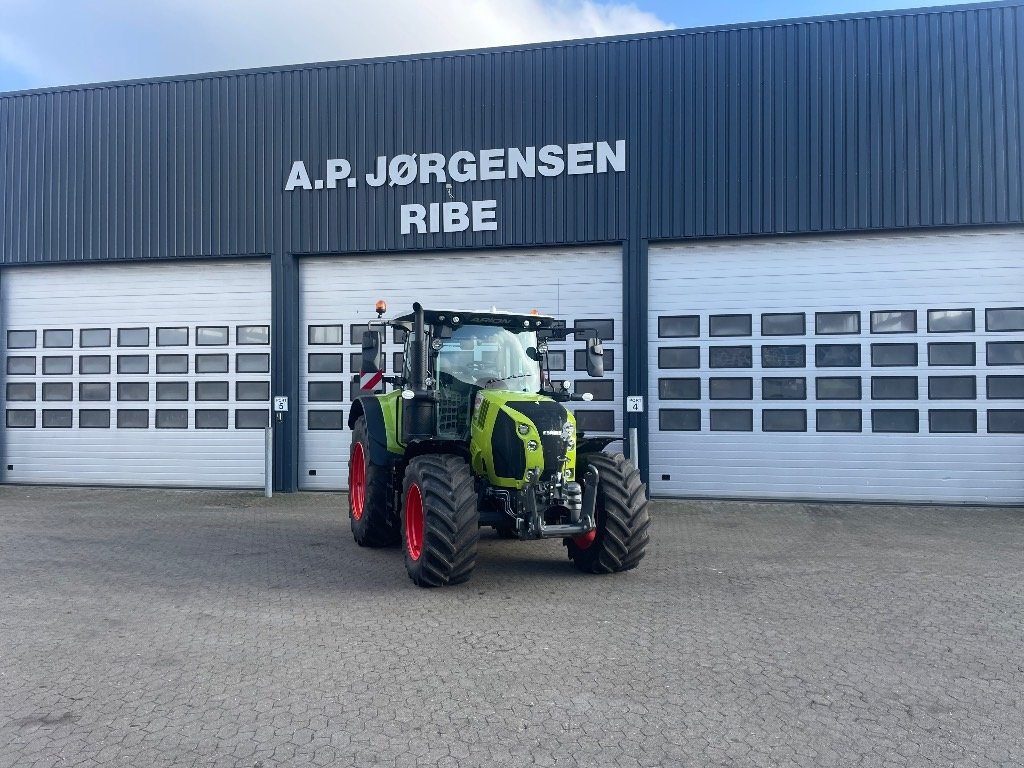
x=547 y=416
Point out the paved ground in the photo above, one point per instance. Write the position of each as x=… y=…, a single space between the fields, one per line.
x=163 y=628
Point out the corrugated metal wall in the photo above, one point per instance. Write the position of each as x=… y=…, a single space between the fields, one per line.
x=887 y=121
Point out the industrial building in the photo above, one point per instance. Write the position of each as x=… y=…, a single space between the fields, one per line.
x=803 y=242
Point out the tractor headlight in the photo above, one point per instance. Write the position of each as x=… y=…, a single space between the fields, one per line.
x=524 y=429
x=533 y=445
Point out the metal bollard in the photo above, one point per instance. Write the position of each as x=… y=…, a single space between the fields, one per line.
x=268 y=460
x=634 y=447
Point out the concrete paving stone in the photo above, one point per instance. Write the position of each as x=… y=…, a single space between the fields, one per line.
x=177 y=628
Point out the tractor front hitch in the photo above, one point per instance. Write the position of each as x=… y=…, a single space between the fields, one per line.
x=584 y=523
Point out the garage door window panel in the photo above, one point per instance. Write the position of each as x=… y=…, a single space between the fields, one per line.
x=894 y=321
x=894 y=388
x=838 y=420
x=58 y=390
x=399 y=362
x=94 y=418
x=172 y=337
x=60 y=338
x=94 y=337
x=252 y=390
x=837 y=388
x=953 y=420
x=783 y=324
x=94 y=364
x=952 y=388
x=252 y=334
x=951 y=353
x=895 y=420
x=1005 y=352
x=211 y=390
x=730 y=325
x=783 y=388
x=21 y=339
x=679 y=419
x=679 y=326
x=317 y=362
x=21 y=392
x=325 y=391
x=133 y=337
x=133 y=390
x=731 y=357
x=57 y=366
x=21 y=366
x=783 y=356
x=252 y=362
x=595 y=421
x=950 y=320
x=21 y=418
x=783 y=420
x=326 y=334
x=172 y=390
x=171 y=418
x=57 y=418
x=172 y=363
x=94 y=391
x=601 y=389
x=679 y=389
x=837 y=355
x=722 y=388
x=211 y=363
x=246 y=418
x=1007 y=421
x=1007 y=319
x=893 y=355
x=836 y=323
x=211 y=418
x=133 y=363
x=132 y=418
x=212 y=336
x=556 y=360
x=326 y=420
x=605 y=328
x=1005 y=387
x=732 y=420
x=679 y=357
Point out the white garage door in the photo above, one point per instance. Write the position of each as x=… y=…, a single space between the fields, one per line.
x=136 y=374
x=338 y=296
x=860 y=368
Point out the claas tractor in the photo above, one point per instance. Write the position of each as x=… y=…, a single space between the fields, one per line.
x=474 y=434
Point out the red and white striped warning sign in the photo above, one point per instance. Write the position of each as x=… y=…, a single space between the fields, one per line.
x=370 y=380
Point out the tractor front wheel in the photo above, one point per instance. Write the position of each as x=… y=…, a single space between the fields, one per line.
x=439 y=520
x=374 y=523
x=620 y=540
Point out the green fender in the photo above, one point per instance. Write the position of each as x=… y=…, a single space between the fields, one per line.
x=381 y=412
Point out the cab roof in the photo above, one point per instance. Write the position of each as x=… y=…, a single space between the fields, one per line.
x=456 y=318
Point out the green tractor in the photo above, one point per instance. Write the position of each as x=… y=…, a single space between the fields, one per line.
x=474 y=434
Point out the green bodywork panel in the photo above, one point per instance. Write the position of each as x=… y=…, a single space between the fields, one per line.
x=391 y=405
x=489 y=403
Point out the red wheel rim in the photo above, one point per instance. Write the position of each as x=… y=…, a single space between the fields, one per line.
x=414 y=522
x=357 y=481
x=584 y=541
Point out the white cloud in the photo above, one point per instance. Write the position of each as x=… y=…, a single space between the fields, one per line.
x=54 y=42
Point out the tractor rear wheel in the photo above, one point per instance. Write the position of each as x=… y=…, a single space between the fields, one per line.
x=620 y=540
x=440 y=520
x=374 y=523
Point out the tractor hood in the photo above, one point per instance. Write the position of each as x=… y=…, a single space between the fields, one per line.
x=518 y=437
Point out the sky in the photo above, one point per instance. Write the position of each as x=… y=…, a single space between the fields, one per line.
x=47 y=43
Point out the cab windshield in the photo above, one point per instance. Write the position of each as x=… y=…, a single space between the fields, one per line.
x=491 y=358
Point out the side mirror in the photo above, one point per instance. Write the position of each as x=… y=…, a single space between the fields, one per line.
x=373 y=353
x=595 y=358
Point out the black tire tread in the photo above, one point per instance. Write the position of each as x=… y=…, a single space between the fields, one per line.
x=451 y=520
x=623 y=519
x=379 y=525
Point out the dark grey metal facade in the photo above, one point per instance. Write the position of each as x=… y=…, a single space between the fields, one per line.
x=881 y=121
